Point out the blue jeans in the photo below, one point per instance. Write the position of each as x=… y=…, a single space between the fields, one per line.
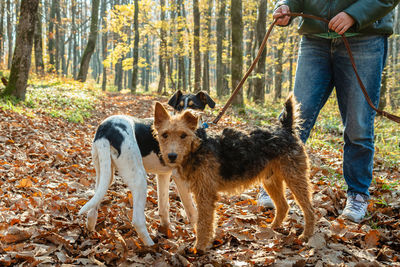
x=324 y=64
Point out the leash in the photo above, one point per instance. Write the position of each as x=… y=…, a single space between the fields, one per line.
x=262 y=46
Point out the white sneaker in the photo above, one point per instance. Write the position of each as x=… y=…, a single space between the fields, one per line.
x=265 y=200
x=356 y=208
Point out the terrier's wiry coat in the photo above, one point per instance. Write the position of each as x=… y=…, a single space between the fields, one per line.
x=233 y=161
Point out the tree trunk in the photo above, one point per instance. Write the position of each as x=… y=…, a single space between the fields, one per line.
x=52 y=35
x=196 y=46
x=222 y=83
x=21 y=61
x=382 y=98
x=259 y=82
x=104 y=42
x=74 y=39
x=39 y=45
x=237 y=49
x=9 y=34
x=148 y=65
x=1 y=31
x=181 y=57
x=291 y=62
x=278 y=68
x=206 y=56
x=394 y=90
x=250 y=57
x=118 y=74
x=58 y=38
x=83 y=71
x=135 y=48
x=61 y=43
x=162 y=52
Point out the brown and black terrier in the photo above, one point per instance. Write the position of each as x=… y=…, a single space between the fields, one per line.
x=233 y=161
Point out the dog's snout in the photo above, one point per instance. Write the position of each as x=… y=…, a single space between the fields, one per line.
x=172 y=157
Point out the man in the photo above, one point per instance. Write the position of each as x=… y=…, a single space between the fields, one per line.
x=323 y=64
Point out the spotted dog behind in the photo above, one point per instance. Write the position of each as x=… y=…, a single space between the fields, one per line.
x=126 y=144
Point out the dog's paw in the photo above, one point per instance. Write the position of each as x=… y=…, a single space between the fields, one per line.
x=304 y=237
x=165 y=230
x=194 y=252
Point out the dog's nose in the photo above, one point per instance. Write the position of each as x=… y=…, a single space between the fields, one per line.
x=172 y=157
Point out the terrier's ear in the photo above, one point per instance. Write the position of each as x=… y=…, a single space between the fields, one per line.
x=190 y=120
x=160 y=115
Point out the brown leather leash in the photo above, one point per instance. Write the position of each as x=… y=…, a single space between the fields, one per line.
x=264 y=42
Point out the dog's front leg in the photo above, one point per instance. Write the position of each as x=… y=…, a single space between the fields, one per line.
x=205 y=223
x=186 y=198
x=163 y=181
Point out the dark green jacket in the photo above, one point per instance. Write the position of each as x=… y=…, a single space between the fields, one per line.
x=371 y=16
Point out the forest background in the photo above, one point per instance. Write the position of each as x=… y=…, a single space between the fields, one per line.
x=162 y=46
x=67 y=64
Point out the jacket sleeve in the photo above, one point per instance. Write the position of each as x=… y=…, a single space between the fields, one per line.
x=368 y=11
x=294 y=5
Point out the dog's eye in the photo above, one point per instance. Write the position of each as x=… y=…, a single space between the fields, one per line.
x=183 y=136
x=164 y=135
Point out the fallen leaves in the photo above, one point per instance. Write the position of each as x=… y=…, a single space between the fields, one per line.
x=25 y=183
x=372 y=238
x=46 y=176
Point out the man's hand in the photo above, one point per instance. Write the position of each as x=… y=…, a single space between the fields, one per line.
x=279 y=14
x=341 y=23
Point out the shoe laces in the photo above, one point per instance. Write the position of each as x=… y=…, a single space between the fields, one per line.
x=264 y=194
x=357 y=203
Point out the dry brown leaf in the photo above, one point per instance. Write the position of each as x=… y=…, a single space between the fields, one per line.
x=372 y=238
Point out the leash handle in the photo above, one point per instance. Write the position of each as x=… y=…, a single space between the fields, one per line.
x=261 y=49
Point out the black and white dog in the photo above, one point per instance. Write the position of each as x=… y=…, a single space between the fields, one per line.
x=127 y=144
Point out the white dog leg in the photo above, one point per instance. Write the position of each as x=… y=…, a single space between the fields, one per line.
x=186 y=199
x=138 y=186
x=130 y=167
x=93 y=213
x=103 y=175
x=163 y=181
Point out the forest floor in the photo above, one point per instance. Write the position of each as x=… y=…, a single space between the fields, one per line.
x=46 y=176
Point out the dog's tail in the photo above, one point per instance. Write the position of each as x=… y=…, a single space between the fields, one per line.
x=101 y=149
x=290 y=116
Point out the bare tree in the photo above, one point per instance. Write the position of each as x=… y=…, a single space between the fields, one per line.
x=237 y=48
x=87 y=54
x=222 y=83
x=38 y=44
x=259 y=83
x=206 y=55
x=1 y=30
x=278 y=67
x=196 y=46
x=162 y=50
x=135 y=48
x=9 y=33
x=182 y=84
x=21 y=61
x=104 y=42
x=52 y=36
